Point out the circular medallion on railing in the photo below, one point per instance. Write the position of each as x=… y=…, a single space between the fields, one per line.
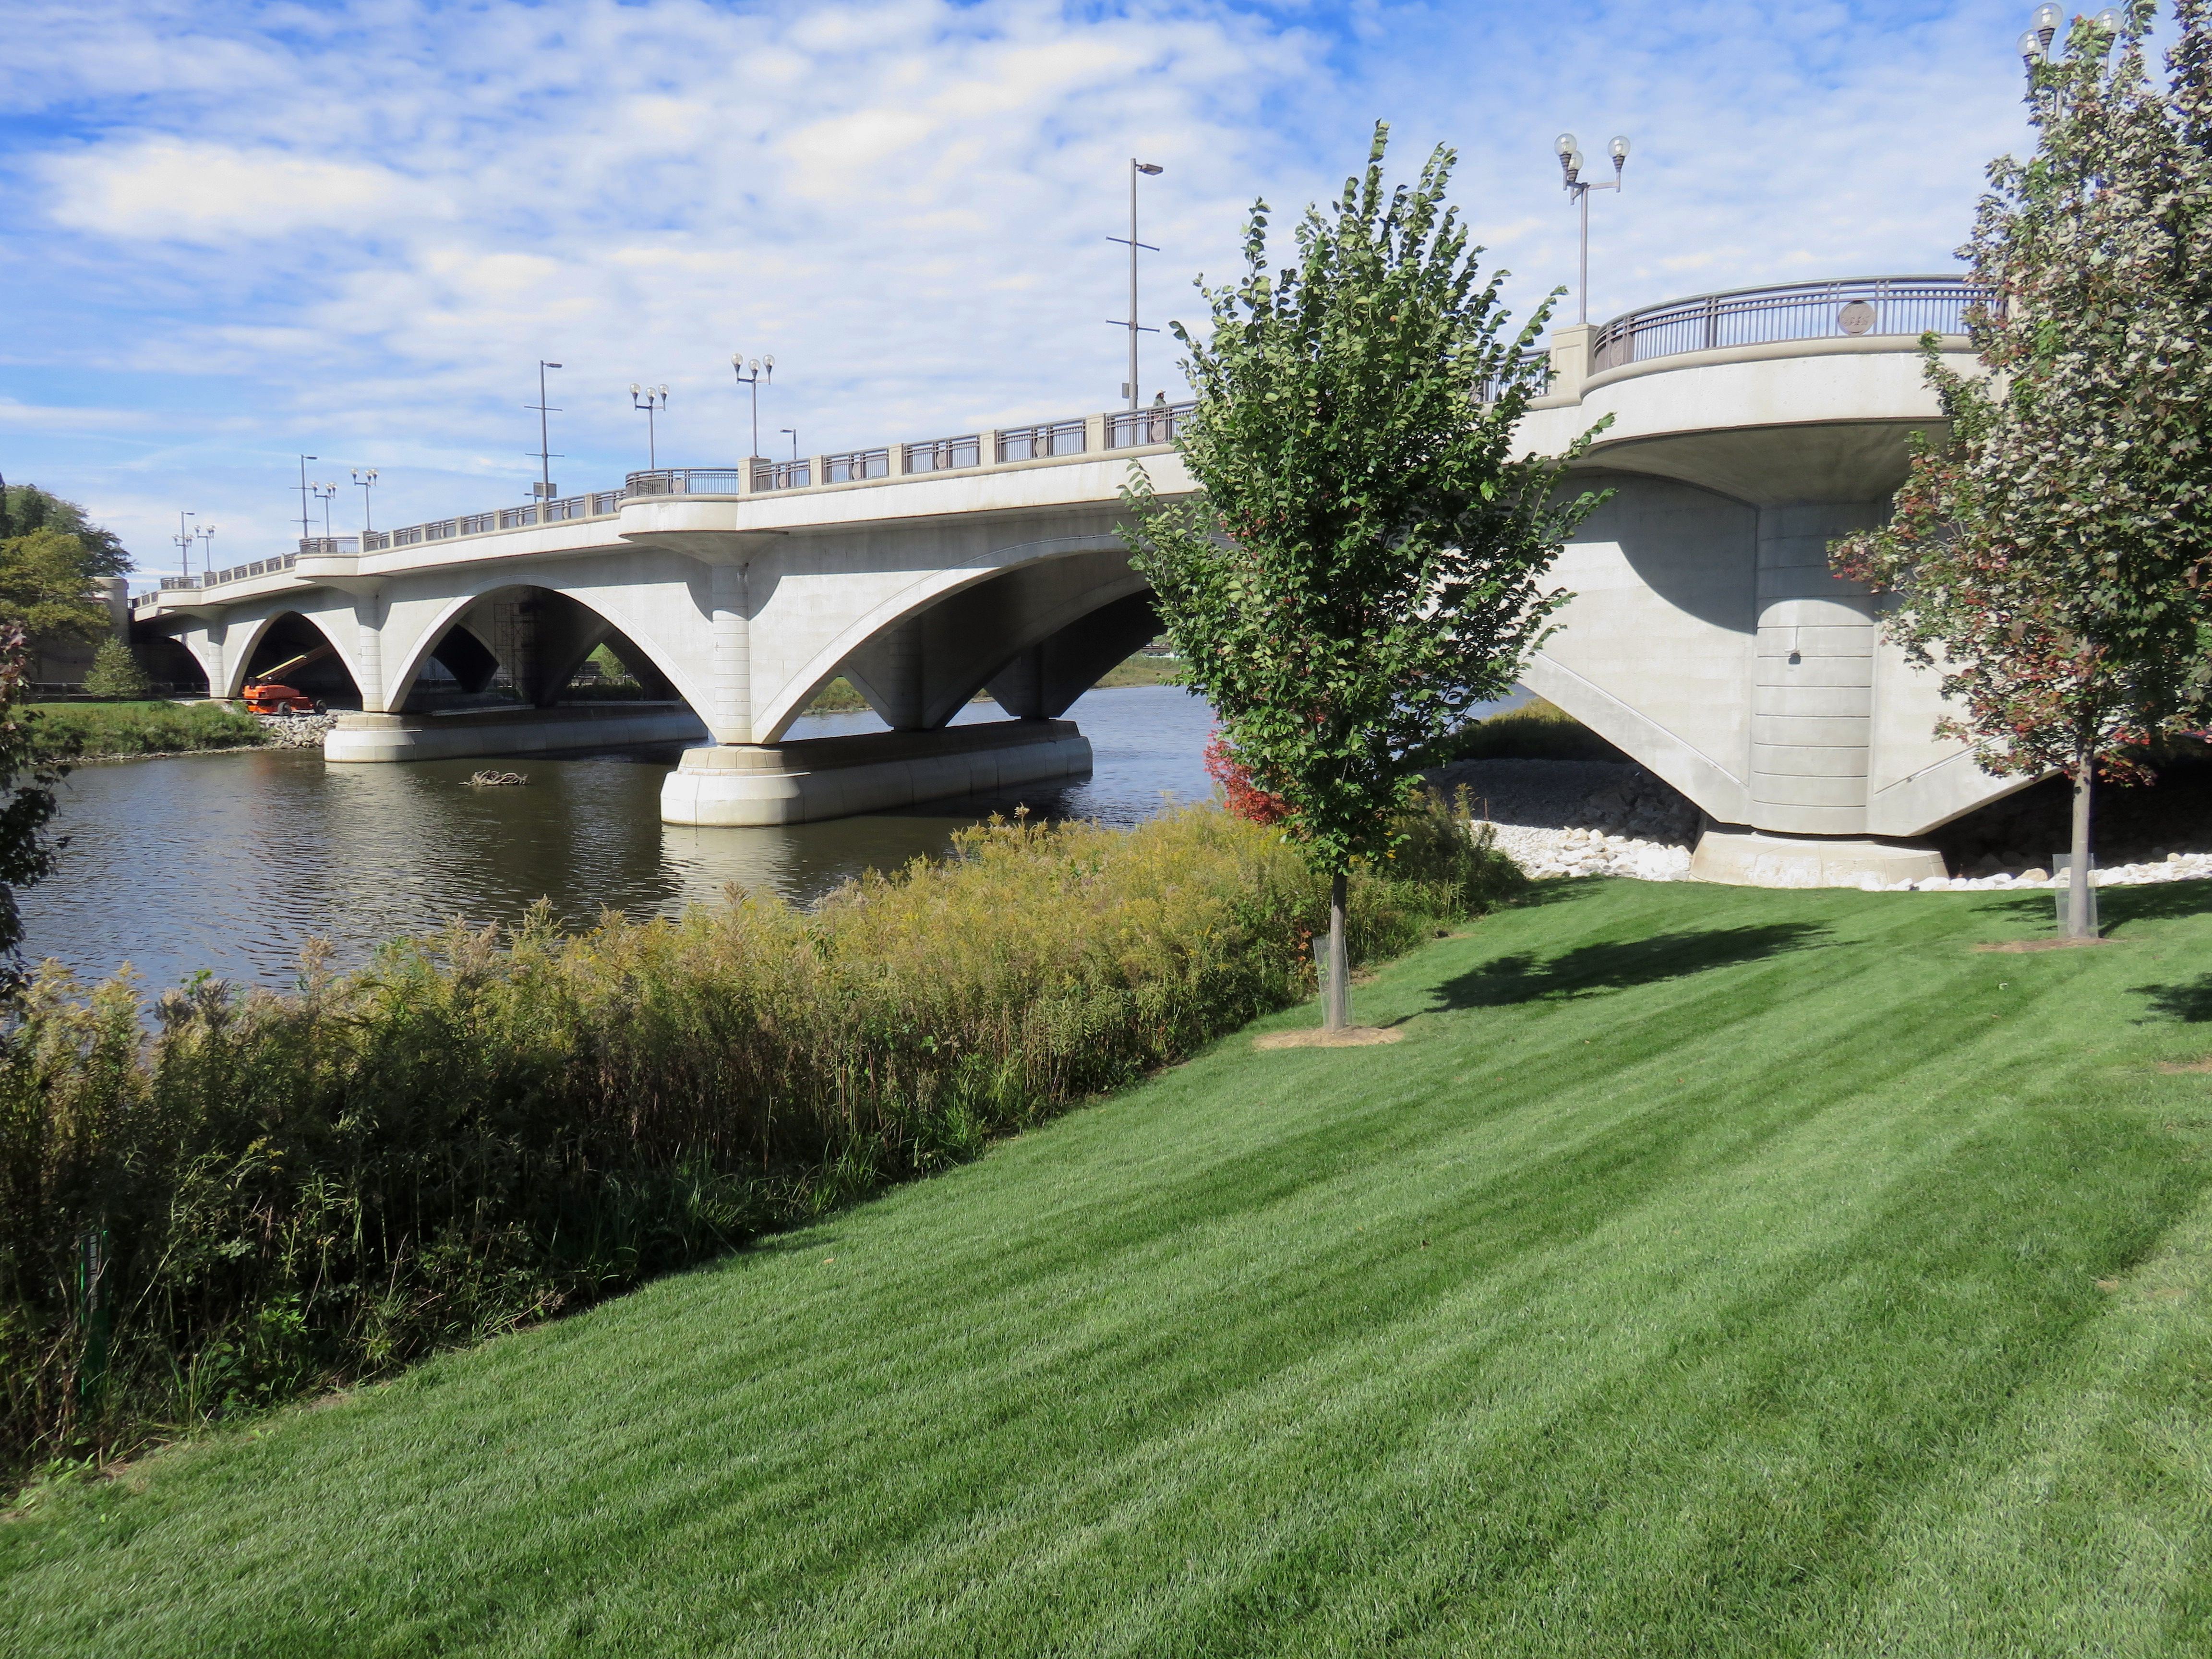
x=1856 y=319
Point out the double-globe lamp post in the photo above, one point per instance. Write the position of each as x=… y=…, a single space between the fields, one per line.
x=2043 y=28
x=651 y=399
x=751 y=372
x=1570 y=167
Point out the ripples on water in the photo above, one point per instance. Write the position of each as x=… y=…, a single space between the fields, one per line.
x=228 y=862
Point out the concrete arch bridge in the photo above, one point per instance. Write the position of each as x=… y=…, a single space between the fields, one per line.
x=1707 y=638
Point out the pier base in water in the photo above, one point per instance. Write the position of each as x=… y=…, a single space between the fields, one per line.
x=474 y=732
x=817 y=778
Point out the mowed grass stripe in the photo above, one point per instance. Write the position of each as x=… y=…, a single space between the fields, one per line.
x=1760 y=1270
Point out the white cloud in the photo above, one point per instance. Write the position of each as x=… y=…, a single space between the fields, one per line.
x=168 y=190
x=354 y=230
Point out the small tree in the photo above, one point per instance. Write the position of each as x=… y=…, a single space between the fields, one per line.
x=1365 y=560
x=2053 y=555
x=115 y=672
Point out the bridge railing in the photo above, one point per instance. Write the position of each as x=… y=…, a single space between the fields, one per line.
x=1045 y=439
x=678 y=481
x=1036 y=443
x=1161 y=423
x=942 y=454
x=1796 y=311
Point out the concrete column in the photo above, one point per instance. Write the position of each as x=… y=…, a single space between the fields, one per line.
x=368 y=652
x=899 y=683
x=1812 y=706
x=1019 y=686
x=211 y=658
x=730 y=713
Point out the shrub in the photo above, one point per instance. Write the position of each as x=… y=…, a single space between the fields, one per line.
x=115 y=672
x=266 y=1194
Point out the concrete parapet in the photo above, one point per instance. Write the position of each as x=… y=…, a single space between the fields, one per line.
x=1740 y=858
x=747 y=785
x=359 y=738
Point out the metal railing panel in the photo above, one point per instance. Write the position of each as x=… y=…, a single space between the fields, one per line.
x=782 y=475
x=1039 y=442
x=1847 y=309
x=856 y=465
x=942 y=454
x=1161 y=423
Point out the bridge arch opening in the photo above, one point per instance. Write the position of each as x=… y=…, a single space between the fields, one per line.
x=289 y=636
x=519 y=643
x=1036 y=637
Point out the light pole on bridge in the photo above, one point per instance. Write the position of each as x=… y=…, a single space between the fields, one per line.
x=543 y=489
x=751 y=372
x=184 y=541
x=304 y=531
x=651 y=399
x=1151 y=171
x=366 y=477
x=1571 y=166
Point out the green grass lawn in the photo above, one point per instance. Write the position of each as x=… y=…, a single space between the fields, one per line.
x=1708 y=1272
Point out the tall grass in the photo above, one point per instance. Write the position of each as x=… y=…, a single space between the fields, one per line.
x=90 y=730
x=263 y=1194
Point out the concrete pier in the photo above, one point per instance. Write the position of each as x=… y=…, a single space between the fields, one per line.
x=467 y=732
x=737 y=785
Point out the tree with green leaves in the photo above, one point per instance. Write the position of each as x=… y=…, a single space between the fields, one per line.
x=1364 y=560
x=26 y=507
x=2051 y=555
x=116 y=672
x=45 y=582
x=27 y=800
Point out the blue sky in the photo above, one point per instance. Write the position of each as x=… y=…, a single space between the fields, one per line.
x=231 y=233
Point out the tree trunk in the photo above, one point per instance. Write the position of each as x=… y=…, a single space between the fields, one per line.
x=2077 y=874
x=1336 y=994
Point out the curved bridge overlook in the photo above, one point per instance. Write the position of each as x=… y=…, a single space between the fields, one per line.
x=1707 y=638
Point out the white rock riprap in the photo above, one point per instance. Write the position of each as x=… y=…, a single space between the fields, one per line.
x=296 y=731
x=1542 y=853
x=2174 y=866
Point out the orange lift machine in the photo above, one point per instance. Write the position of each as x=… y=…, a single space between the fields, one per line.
x=265 y=695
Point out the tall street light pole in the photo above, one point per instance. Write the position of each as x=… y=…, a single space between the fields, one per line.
x=304 y=531
x=366 y=479
x=184 y=541
x=651 y=399
x=323 y=493
x=1149 y=171
x=1571 y=166
x=206 y=533
x=543 y=489
x=750 y=371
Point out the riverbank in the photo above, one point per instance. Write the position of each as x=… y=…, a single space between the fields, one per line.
x=1772 y=1272
x=485 y=1129
x=119 y=730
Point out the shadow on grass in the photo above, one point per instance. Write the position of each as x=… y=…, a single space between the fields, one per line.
x=2191 y=1004
x=1594 y=970
x=2116 y=908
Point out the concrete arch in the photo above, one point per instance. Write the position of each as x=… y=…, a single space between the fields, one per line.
x=238 y=654
x=872 y=648
x=449 y=614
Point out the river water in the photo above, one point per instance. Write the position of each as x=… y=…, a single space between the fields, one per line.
x=229 y=862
